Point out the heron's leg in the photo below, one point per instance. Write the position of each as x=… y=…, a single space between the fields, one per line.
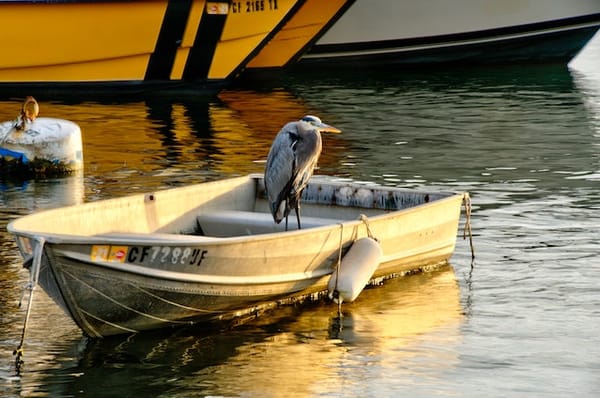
x=286 y=222
x=297 y=208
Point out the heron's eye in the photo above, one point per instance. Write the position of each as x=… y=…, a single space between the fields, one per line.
x=311 y=119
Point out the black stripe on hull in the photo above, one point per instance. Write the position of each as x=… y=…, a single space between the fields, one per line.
x=205 y=43
x=324 y=29
x=533 y=47
x=198 y=63
x=271 y=35
x=567 y=24
x=169 y=39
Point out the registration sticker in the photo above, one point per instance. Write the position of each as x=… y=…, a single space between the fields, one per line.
x=116 y=254
x=217 y=8
x=99 y=252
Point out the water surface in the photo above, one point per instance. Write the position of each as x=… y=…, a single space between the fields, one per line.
x=522 y=320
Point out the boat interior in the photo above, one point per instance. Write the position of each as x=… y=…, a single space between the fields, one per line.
x=323 y=203
x=229 y=208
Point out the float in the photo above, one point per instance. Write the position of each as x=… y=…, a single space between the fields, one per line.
x=39 y=146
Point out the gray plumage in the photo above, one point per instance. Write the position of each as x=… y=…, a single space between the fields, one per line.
x=290 y=164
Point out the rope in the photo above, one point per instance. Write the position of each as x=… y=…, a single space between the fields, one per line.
x=34 y=277
x=467 y=228
x=336 y=293
x=365 y=220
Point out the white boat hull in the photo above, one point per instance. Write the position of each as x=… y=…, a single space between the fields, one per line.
x=156 y=260
x=410 y=33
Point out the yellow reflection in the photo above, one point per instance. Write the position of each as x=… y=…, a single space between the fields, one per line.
x=246 y=125
x=231 y=134
x=385 y=327
x=113 y=135
x=408 y=325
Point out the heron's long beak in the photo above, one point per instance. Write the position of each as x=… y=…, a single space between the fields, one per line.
x=325 y=128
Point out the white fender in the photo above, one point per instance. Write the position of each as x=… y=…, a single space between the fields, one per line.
x=356 y=269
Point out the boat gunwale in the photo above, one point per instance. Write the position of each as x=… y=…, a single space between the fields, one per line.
x=177 y=239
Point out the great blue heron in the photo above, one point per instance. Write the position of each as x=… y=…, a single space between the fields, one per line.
x=290 y=164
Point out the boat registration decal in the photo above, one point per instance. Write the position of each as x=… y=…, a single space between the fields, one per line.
x=149 y=254
x=217 y=8
x=115 y=254
x=238 y=7
x=166 y=255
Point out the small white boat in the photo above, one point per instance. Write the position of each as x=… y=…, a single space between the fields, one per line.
x=45 y=146
x=460 y=32
x=212 y=252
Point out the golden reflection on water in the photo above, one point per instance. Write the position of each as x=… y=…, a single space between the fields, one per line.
x=527 y=138
x=228 y=134
x=386 y=336
x=247 y=123
x=385 y=331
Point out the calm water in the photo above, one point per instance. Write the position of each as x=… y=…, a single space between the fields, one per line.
x=523 y=321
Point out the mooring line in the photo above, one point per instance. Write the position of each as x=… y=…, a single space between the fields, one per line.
x=467 y=228
x=336 y=293
x=31 y=285
x=365 y=220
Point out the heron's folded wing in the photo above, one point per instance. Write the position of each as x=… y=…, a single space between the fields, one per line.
x=279 y=174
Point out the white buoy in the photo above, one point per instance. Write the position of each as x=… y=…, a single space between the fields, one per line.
x=355 y=271
x=57 y=141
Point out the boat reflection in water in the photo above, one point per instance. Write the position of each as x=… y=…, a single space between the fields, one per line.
x=586 y=77
x=159 y=141
x=162 y=141
x=588 y=83
x=19 y=198
x=312 y=350
x=24 y=197
x=249 y=121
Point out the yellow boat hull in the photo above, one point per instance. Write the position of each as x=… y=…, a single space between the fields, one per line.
x=134 y=42
x=299 y=33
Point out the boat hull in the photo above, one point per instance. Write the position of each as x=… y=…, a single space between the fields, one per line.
x=149 y=44
x=298 y=34
x=126 y=282
x=410 y=34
